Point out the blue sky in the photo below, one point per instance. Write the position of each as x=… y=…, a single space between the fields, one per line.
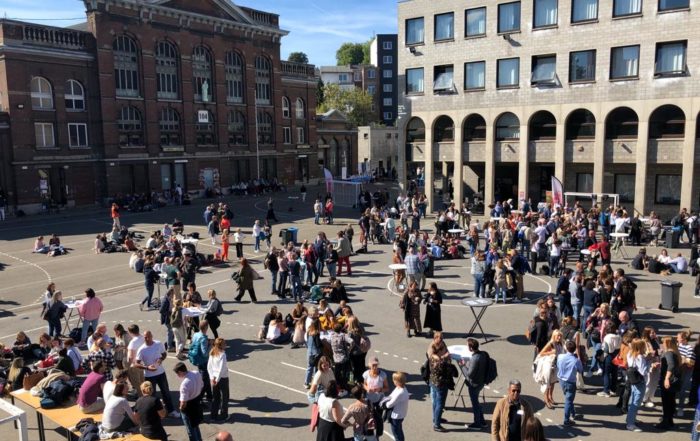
x=317 y=27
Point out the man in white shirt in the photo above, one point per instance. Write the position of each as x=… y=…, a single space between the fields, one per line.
x=149 y=358
x=190 y=400
x=679 y=264
x=135 y=374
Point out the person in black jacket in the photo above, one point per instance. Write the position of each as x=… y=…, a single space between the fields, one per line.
x=476 y=378
x=165 y=307
x=564 y=294
x=541 y=331
x=54 y=313
x=150 y=277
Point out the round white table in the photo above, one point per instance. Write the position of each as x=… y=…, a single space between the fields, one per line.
x=72 y=309
x=619 y=245
x=193 y=311
x=397 y=266
x=459 y=352
x=481 y=305
x=455 y=231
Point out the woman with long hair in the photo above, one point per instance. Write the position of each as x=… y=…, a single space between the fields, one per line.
x=224 y=245
x=499 y=280
x=433 y=316
x=330 y=413
x=611 y=347
x=177 y=322
x=685 y=349
x=357 y=357
x=314 y=349
x=671 y=382
x=121 y=341
x=218 y=373
x=18 y=371
x=637 y=371
x=212 y=314
x=653 y=346
x=554 y=347
x=55 y=310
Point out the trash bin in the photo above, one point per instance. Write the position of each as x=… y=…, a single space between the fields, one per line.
x=672 y=238
x=292 y=231
x=430 y=269
x=286 y=236
x=670 y=295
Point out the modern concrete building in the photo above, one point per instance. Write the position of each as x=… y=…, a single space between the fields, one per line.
x=383 y=54
x=377 y=148
x=499 y=96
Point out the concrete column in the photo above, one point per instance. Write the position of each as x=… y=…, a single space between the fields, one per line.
x=687 y=179
x=560 y=153
x=401 y=163
x=599 y=157
x=640 y=181
x=523 y=162
x=458 y=179
x=489 y=165
x=428 y=169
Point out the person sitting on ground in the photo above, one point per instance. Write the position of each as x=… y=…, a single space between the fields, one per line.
x=337 y=292
x=65 y=364
x=99 y=245
x=327 y=320
x=90 y=394
x=39 y=246
x=178 y=226
x=118 y=415
x=277 y=332
x=641 y=260
x=269 y=317
x=679 y=264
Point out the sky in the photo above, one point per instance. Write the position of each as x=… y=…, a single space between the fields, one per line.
x=316 y=27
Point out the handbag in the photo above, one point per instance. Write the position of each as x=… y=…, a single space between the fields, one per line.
x=619 y=361
x=32 y=379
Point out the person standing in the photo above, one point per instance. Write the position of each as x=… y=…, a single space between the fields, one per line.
x=150 y=411
x=344 y=251
x=414 y=268
x=476 y=379
x=224 y=246
x=397 y=401
x=410 y=303
x=238 y=242
x=257 y=230
x=246 y=281
x=440 y=377
x=213 y=229
x=637 y=371
x=331 y=260
x=150 y=278
x=294 y=269
x=190 y=400
x=685 y=350
x=90 y=310
x=671 y=373
x=135 y=342
x=115 y=216
x=510 y=415
x=318 y=208
x=149 y=358
x=568 y=366
x=218 y=373
x=302 y=190
x=271 y=211
x=199 y=356
x=271 y=264
x=433 y=316
x=54 y=313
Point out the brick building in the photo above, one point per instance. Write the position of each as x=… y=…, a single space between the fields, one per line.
x=148 y=94
x=499 y=96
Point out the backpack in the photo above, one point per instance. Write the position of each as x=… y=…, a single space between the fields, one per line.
x=219 y=308
x=365 y=344
x=57 y=391
x=531 y=332
x=491 y=369
x=425 y=371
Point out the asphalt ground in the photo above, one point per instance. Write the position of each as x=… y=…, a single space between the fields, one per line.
x=267 y=393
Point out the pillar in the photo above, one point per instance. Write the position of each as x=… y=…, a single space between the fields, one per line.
x=640 y=181
x=428 y=167
x=687 y=179
x=599 y=157
x=401 y=163
x=523 y=163
x=458 y=179
x=489 y=166
x=560 y=154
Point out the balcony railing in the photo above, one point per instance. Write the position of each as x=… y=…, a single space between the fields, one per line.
x=63 y=38
x=263 y=18
x=298 y=70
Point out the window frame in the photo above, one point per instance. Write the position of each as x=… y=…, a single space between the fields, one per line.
x=417 y=42
x=630 y=14
x=387 y=102
x=371 y=74
x=236 y=137
x=202 y=70
x=387 y=45
x=571 y=56
x=286 y=108
x=466 y=22
x=301 y=135
x=534 y=64
x=387 y=59
x=234 y=67
x=498 y=71
x=167 y=70
x=678 y=186
x=77 y=126
x=126 y=67
x=46 y=128
x=520 y=18
x=451 y=37
x=263 y=80
x=545 y=26
x=612 y=62
x=170 y=127
x=659 y=46
x=387 y=116
x=436 y=75
x=466 y=77
x=70 y=96
x=586 y=177
x=299 y=109
x=678 y=8
x=41 y=95
x=416 y=69
x=387 y=73
x=623 y=196
x=131 y=133
x=205 y=133
x=266 y=137
x=286 y=135
x=387 y=88
x=586 y=20
x=371 y=89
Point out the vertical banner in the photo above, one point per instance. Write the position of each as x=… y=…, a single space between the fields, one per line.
x=329 y=180
x=557 y=192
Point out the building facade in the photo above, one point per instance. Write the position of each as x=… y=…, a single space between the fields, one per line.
x=357 y=76
x=500 y=96
x=377 y=149
x=337 y=144
x=149 y=94
x=383 y=54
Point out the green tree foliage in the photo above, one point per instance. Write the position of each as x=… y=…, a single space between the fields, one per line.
x=350 y=53
x=356 y=104
x=298 y=57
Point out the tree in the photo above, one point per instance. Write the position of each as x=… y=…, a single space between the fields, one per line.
x=319 y=93
x=350 y=53
x=298 y=57
x=356 y=104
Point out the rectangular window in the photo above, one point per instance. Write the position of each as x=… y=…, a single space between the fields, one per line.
x=508 y=73
x=475 y=75
x=545 y=13
x=371 y=73
x=415 y=33
x=387 y=73
x=544 y=70
x=77 y=135
x=371 y=89
x=388 y=88
x=443 y=79
x=622 y=8
x=387 y=59
x=509 y=17
x=287 y=135
x=301 y=139
x=387 y=116
x=387 y=45
x=670 y=5
x=582 y=66
x=584 y=182
x=43 y=132
x=670 y=58
x=444 y=26
x=624 y=62
x=475 y=22
x=357 y=76
x=624 y=186
x=584 y=10
x=387 y=101
x=342 y=78
x=668 y=189
x=414 y=80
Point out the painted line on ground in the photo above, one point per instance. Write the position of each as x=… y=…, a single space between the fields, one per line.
x=48 y=276
x=293 y=366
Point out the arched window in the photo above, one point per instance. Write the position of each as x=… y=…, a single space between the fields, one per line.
x=262 y=81
x=543 y=126
x=621 y=123
x=474 y=128
x=126 y=66
x=444 y=129
x=169 y=127
x=130 y=127
x=205 y=128
x=265 y=128
x=667 y=122
x=166 y=70
x=234 y=77
x=201 y=74
x=42 y=94
x=507 y=127
x=74 y=95
x=299 y=109
x=415 y=131
x=286 y=113
x=236 y=127
x=580 y=125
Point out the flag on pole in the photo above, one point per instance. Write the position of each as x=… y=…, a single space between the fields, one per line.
x=557 y=192
x=329 y=180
